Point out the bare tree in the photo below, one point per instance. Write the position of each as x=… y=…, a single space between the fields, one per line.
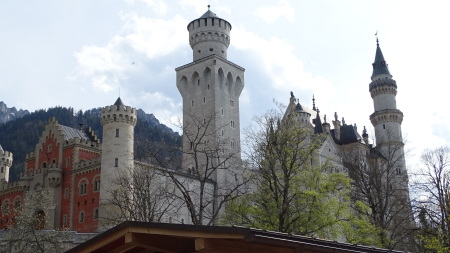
x=380 y=181
x=214 y=174
x=432 y=184
x=140 y=193
x=28 y=233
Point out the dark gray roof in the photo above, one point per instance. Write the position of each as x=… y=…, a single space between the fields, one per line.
x=318 y=128
x=298 y=108
x=379 y=66
x=118 y=101
x=70 y=133
x=209 y=14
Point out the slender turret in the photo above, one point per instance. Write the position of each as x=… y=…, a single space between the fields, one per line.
x=6 y=159
x=118 y=123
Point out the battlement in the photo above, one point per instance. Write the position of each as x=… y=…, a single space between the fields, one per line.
x=118 y=113
x=8 y=186
x=383 y=81
x=6 y=157
x=82 y=142
x=87 y=163
x=30 y=155
x=209 y=35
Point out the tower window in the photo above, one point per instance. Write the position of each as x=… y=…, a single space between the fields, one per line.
x=199 y=51
x=384 y=126
x=204 y=100
x=97 y=185
x=1 y=170
x=222 y=111
x=117 y=132
x=210 y=49
x=192 y=103
x=81 y=218
x=232 y=124
x=66 y=193
x=116 y=162
x=198 y=82
x=68 y=162
x=231 y=103
x=83 y=188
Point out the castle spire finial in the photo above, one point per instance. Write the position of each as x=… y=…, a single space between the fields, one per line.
x=314 y=103
x=376 y=35
x=209 y=6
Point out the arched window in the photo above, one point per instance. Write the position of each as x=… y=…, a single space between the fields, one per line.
x=96 y=183
x=82 y=187
x=81 y=217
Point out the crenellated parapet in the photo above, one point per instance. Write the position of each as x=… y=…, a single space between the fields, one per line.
x=384 y=85
x=83 y=143
x=209 y=35
x=84 y=164
x=118 y=113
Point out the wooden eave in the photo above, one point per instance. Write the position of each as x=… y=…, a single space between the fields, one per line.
x=142 y=237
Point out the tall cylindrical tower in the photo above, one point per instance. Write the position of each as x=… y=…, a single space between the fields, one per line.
x=118 y=123
x=209 y=35
x=386 y=119
x=6 y=159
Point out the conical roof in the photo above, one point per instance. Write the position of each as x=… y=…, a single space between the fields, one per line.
x=118 y=102
x=209 y=14
x=379 y=66
x=318 y=128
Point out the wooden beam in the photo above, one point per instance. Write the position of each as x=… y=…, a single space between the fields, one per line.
x=236 y=246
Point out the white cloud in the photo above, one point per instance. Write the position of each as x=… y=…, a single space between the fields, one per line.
x=140 y=38
x=157 y=5
x=280 y=64
x=199 y=5
x=271 y=13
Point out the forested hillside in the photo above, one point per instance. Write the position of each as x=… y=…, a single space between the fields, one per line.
x=21 y=135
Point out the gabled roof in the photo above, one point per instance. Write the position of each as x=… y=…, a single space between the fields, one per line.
x=131 y=236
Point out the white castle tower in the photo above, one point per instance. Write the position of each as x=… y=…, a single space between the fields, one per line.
x=210 y=87
x=118 y=123
x=387 y=120
x=6 y=159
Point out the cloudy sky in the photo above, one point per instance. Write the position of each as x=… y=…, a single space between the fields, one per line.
x=80 y=53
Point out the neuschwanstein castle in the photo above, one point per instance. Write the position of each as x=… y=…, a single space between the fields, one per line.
x=77 y=169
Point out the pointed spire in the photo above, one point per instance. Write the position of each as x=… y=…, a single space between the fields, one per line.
x=380 y=66
x=118 y=102
x=314 y=103
x=318 y=128
x=298 y=108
